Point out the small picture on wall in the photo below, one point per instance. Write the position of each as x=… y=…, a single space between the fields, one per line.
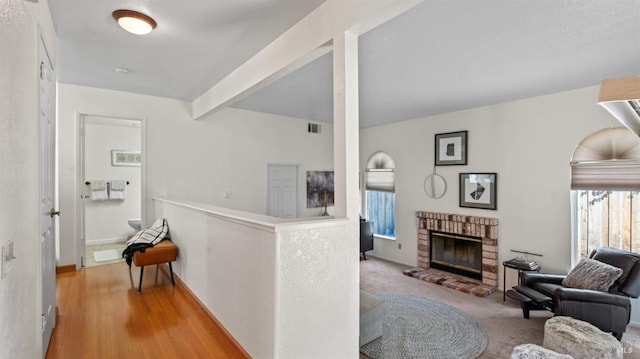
x=125 y=158
x=451 y=148
x=319 y=189
x=478 y=190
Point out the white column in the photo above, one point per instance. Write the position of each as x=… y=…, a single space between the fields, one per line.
x=346 y=125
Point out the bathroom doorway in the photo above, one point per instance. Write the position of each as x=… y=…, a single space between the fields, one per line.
x=111 y=186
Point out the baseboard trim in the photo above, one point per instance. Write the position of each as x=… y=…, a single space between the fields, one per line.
x=65 y=269
x=374 y=255
x=194 y=299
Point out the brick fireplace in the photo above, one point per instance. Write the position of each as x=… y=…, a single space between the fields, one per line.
x=481 y=227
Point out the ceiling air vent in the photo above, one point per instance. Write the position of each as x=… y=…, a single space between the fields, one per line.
x=313 y=128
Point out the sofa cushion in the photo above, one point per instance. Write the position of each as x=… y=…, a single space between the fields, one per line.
x=592 y=274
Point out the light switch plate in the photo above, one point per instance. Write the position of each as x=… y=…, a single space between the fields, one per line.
x=7 y=258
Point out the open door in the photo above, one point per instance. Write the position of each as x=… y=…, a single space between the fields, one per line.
x=47 y=185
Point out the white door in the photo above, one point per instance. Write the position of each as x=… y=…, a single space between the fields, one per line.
x=47 y=183
x=282 y=191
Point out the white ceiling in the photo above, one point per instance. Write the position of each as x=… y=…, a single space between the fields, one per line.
x=441 y=56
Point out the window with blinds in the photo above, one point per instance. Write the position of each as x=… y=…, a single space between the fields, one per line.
x=605 y=184
x=380 y=194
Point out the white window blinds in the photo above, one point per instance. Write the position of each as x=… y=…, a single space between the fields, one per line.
x=621 y=176
x=607 y=160
x=380 y=175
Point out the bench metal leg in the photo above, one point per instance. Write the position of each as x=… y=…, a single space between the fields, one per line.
x=140 y=286
x=171 y=271
x=173 y=283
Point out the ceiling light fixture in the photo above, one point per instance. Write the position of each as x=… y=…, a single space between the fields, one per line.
x=134 y=22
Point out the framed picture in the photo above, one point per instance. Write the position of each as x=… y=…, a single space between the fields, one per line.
x=478 y=190
x=451 y=148
x=125 y=158
x=319 y=189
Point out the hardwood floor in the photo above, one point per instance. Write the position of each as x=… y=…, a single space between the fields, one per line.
x=101 y=315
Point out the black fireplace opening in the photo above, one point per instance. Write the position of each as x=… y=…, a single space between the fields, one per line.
x=456 y=253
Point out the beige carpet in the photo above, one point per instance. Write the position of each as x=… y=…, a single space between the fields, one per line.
x=501 y=321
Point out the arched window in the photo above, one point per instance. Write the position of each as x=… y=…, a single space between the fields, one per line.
x=605 y=184
x=381 y=198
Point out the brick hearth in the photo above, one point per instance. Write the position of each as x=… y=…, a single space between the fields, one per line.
x=481 y=227
x=450 y=280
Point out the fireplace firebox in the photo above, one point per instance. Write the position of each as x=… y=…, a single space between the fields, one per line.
x=479 y=227
x=456 y=253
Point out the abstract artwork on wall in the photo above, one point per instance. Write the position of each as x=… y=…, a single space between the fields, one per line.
x=319 y=189
x=478 y=190
x=451 y=148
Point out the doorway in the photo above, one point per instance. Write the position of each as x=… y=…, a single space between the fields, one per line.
x=282 y=191
x=111 y=209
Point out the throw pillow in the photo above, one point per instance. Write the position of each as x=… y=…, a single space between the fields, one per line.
x=592 y=274
x=152 y=235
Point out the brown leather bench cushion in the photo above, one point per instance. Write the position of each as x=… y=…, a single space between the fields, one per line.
x=164 y=251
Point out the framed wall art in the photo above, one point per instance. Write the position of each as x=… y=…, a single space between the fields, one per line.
x=319 y=189
x=125 y=158
x=451 y=148
x=478 y=190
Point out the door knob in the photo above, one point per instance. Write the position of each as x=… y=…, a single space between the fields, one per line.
x=53 y=212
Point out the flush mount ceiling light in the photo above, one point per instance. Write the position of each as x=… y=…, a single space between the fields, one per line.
x=134 y=22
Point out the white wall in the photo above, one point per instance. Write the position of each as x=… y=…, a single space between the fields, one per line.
x=187 y=159
x=528 y=143
x=106 y=221
x=279 y=286
x=20 y=291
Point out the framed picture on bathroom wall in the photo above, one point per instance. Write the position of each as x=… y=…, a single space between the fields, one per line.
x=125 y=158
x=451 y=148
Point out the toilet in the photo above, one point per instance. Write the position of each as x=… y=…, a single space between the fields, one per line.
x=135 y=223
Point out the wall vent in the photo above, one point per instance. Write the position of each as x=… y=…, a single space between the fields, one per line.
x=313 y=128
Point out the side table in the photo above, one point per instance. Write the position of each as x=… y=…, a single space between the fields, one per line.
x=520 y=266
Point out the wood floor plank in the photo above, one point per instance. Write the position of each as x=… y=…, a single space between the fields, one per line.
x=101 y=315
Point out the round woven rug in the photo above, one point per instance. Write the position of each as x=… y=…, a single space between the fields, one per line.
x=416 y=327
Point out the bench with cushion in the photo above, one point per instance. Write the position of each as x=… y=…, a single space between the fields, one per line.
x=163 y=252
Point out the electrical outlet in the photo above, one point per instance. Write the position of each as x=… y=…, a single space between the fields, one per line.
x=399 y=245
x=7 y=258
